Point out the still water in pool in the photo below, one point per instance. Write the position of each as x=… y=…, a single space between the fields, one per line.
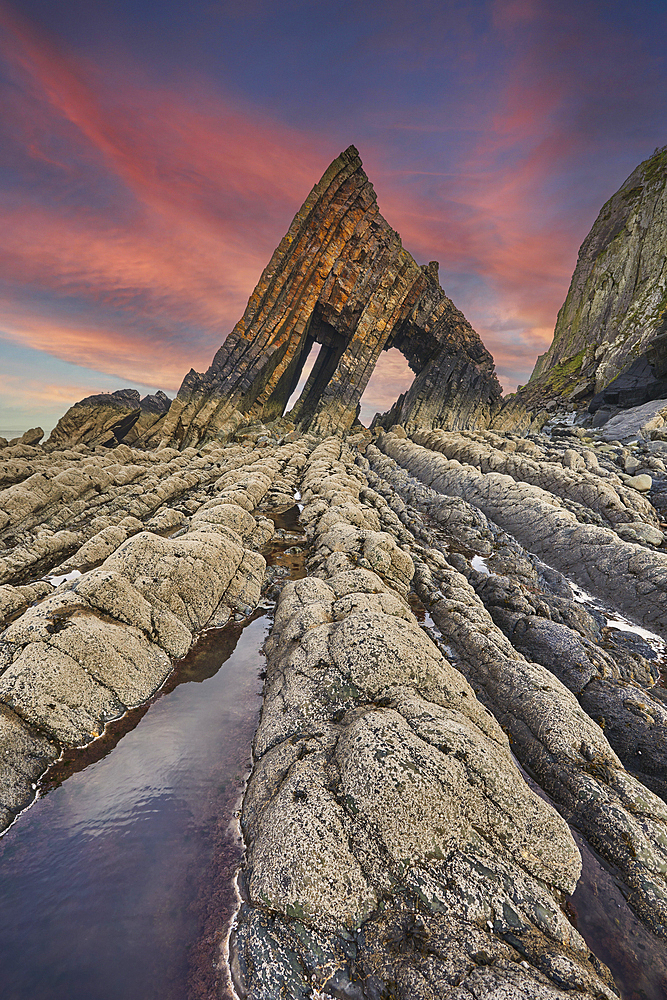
x=116 y=884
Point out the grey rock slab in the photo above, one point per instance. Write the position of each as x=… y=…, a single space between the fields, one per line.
x=113 y=594
x=381 y=652
x=39 y=622
x=571 y=654
x=566 y=480
x=645 y=534
x=445 y=956
x=189 y=575
x=119 y=656
x=299 y=861
x=635 y=722
x=555 y=646
x=637 y=422
x=367 y=728
x=229 y=514
x=171 y=634
x=634 y=577
x=24 y=755
x=556 y=740
x=54 y=693
x=12 y=600
x=426 y=782
x=244 y=591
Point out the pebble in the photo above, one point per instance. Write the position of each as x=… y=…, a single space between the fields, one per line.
x=641 y=483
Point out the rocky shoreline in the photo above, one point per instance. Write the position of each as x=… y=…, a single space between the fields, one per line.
x=466 y=676
x=78 y=653
x=392 y=843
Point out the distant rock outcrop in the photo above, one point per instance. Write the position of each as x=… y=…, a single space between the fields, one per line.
x=153 y=408
x=339 y=278
x=108 y=418
x=610 y=341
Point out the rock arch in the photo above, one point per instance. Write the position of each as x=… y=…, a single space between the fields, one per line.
x=340 y=278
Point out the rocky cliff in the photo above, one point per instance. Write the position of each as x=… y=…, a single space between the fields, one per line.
x=452 y=724
x=341 y=279
x=612 y=326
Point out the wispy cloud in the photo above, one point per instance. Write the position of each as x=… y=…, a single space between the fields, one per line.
x=138 y=215
x=391 y=377
x=202 y=189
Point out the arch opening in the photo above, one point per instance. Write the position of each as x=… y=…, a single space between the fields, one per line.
x=304 y=375
x=392 y=376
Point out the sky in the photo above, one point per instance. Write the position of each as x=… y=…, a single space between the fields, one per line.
x=152 y=155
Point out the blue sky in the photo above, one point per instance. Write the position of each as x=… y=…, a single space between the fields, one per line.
x=152 y=156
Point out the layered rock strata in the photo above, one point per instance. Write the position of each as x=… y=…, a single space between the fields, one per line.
x=516 y=632
x=637 y=422
x=133 y=596
x=55 y=502
x=577 y=479
x=393 y=846
x=340 y=279
x=628 y=573
x=108 y=418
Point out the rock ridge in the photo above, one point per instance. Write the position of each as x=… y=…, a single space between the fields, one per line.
x=100 y=633
x=393 y=845
x=381 y=792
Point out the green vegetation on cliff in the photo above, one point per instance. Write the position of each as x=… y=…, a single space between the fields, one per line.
x=617 y=293
x=560 y=377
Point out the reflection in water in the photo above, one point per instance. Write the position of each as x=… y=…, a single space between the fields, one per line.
x=117 y=882
x=598 y=909
x=636 y=959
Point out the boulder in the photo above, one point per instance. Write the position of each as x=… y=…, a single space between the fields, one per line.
x=32 y=437
x=641 y=483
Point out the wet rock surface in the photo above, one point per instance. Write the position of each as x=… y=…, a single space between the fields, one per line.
x=393 y=845
x=393 y=848
x=158 y=547
x=528 y=621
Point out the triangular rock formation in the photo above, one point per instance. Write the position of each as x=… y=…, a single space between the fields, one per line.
x=339 y=278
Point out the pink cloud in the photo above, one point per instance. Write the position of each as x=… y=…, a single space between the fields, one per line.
x=111 y=351
x=42 y=394
x=211 y=192
x=495 y=216
x=390 y=378
x=205 y=187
